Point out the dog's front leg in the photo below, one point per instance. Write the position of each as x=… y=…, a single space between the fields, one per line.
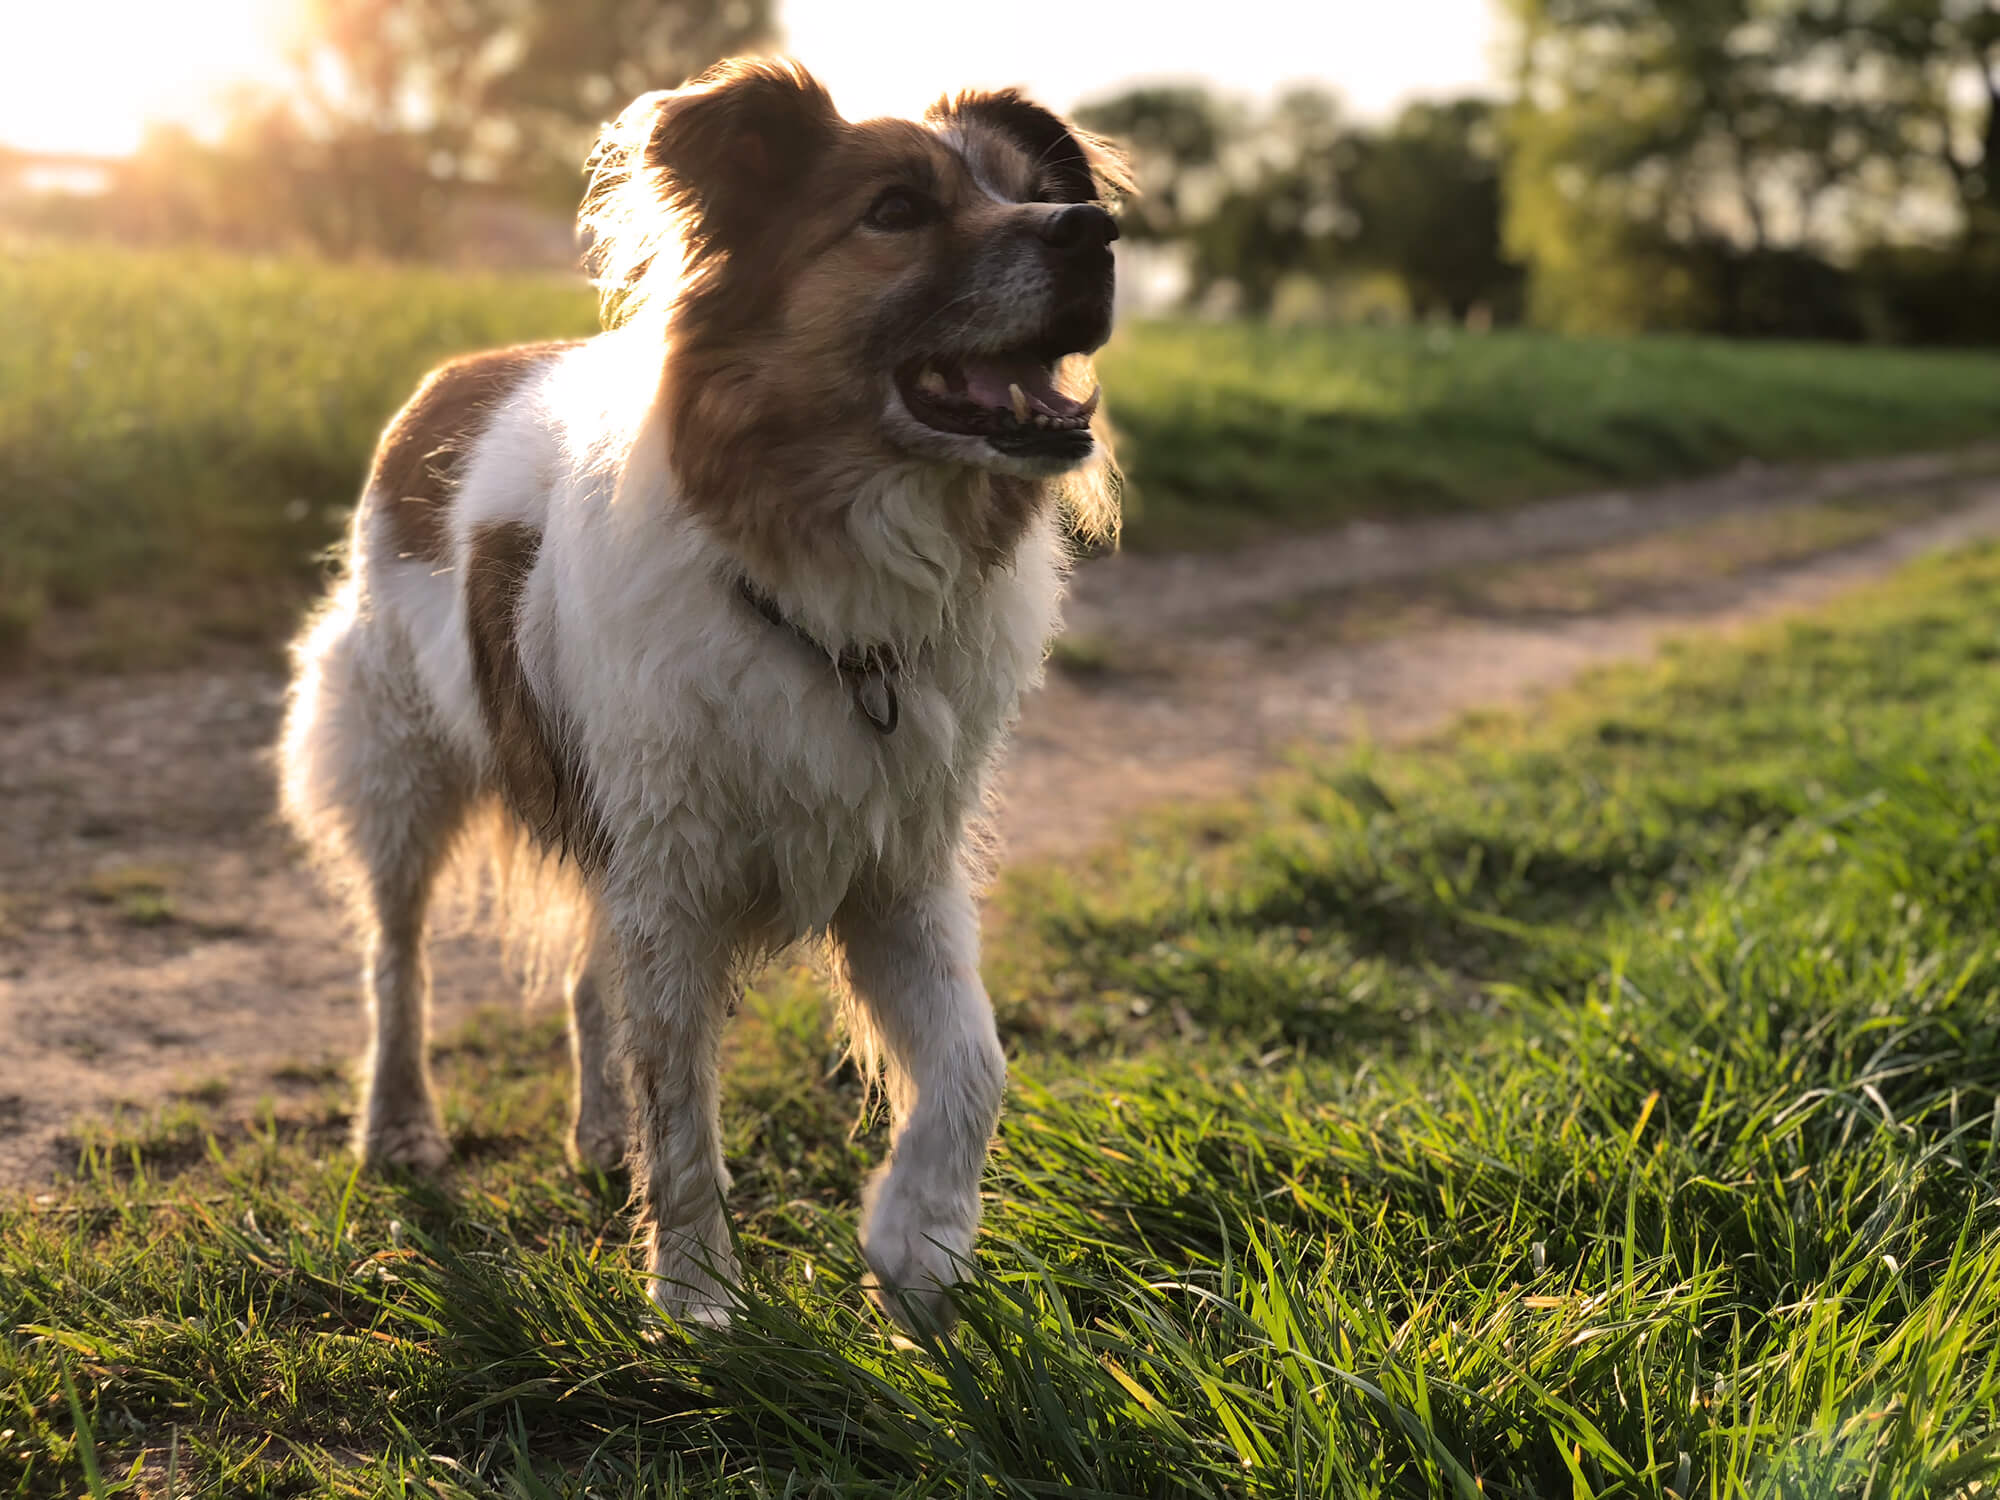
x=600 y=1123
x=911 y=969
x=676 y=997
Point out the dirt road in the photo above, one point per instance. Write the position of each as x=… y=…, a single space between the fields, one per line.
x=158 y=936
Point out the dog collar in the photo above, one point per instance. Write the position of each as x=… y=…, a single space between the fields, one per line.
x=868 y=671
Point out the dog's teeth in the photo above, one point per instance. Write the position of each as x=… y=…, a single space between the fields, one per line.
x=931 y=383
x=1019 y=401
x=1041 y=420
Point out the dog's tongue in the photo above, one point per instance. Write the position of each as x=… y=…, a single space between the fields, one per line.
x=989 y=376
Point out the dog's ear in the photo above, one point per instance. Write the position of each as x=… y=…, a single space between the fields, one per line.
x=731 y=146
x=1072 y=165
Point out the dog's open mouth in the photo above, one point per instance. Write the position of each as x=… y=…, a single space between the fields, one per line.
x=1012 y=400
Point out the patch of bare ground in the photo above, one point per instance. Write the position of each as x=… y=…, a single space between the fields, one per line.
x=160 y=940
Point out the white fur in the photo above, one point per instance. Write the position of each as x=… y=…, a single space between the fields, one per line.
x=749 y=804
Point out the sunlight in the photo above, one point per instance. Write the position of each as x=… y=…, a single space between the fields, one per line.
x=88 y=76
x=906 y=52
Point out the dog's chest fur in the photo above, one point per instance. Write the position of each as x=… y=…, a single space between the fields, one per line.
x=725 y=764
x=741 y=757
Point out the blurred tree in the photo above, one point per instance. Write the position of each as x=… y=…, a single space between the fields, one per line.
x=1423 y=199
x=1716 y=163
x=1299 y=191
x=401 y=116
x=1941 y=68
x=1251 y=198
x=1280 y=214
x=1178 y=135
x=500 y=90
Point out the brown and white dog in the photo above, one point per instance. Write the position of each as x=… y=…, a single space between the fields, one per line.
x=721 y=617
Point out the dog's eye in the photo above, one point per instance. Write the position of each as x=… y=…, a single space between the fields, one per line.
x=898 y=209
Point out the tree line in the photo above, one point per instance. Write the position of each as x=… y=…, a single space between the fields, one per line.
x=1820 y=168
x=1812 y=168
x=1799 y=168
x=1254 y=199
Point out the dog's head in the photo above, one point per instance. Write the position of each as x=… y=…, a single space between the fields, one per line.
x=848 y=293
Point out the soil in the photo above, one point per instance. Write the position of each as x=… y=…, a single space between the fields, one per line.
x=160 y=938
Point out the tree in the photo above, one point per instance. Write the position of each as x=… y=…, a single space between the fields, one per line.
x=1934 y=53
x=1179 y=135
x=1422 y=199
x=1251 y=197
x=1706 y=163
x=1298 y=190
x=397 y=109
x=502 y=90
x=1280 y=215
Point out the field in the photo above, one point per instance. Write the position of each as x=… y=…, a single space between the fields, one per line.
x=1602 y=1106
x=181 y=434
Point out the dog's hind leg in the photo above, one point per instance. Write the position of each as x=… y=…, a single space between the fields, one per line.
x=381 y=799
x=910 y=969
x=600 y=1123
x=400 y=1124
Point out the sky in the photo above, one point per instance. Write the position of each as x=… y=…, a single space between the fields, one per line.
x=890 y=55
x=85 y=75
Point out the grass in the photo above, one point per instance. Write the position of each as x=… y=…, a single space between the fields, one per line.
x=1603 y=1104
x=1233 y=429
x=182 y=433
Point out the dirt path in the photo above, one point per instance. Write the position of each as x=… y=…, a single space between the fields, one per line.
x=157 y=937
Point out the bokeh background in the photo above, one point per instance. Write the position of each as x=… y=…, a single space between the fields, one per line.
x=1742 y=167
x=235 y=231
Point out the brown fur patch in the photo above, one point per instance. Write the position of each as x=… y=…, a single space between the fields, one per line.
x=539 y=778
x=422 y=450
x=993 y=528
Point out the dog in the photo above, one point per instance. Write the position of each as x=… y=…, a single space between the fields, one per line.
x=709 y=630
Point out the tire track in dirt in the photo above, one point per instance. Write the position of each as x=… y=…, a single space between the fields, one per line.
x=159 y=936
x=1224 y=689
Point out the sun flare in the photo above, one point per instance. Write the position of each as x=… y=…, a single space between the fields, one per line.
x=89 y=76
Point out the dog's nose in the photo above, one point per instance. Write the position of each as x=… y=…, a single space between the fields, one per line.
x=1080 y=227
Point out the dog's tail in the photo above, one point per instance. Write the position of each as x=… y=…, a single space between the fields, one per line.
x=536 y=901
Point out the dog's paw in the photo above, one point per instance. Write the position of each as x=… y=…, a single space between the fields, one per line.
x=694 y=1284
x=417 y=1145
x=597 y=1147
x=697 y=1314
x=915 y=1257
